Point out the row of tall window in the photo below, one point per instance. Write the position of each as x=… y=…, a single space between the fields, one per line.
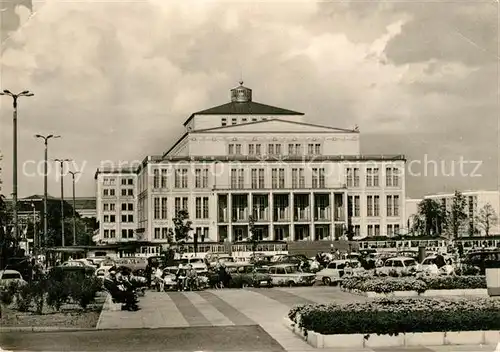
x=278 y=178
x=160 y=206
x=111 y=181
x=125 y=192
x=373 y=206
x=161 y=233
x=372 y=177
x=160 y=178
x=112 y=207
x=124 y=218
x=274 y=149
x=201 y=178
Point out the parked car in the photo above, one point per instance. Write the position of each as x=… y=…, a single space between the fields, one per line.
x=102 y=272
x=429 y=267
x=482 y=258
x=333 y=272
x=247 y=275
x=398 y=266
x=87 y=262
x=96 y=261
x=8 y=277
x=198 y=264
x=20 y=264
x=288 y=274
x=78 y=264
x=169 y=281
x=135 y=264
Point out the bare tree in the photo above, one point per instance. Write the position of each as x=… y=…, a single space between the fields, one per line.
x=487 y=218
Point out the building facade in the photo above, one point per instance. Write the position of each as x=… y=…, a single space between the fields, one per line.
x=475 y=201
x=241 y=160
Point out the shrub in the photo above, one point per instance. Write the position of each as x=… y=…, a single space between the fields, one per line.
x=6 y=297
x=384 y=285
x=24 y=297
x=84 y=291
x=455 y=282
x=397 y=315
x=58 y=293
x=38 y=290
x=421 y=284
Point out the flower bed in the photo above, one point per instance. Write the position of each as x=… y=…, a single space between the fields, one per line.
x=420 y=285
x=71 y=301
x=393 y=316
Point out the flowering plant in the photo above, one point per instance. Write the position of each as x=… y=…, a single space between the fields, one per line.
x=420 y=284
x=400 y=315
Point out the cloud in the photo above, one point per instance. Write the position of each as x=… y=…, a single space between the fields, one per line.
x=117 y=79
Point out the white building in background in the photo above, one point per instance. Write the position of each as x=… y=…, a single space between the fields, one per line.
x=411 y=209
x=244 y=158
x=475 y=201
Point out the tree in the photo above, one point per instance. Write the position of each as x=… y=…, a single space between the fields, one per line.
x=457 y=215
x=487 y=218
x=180 y=233
x=53 y=238
x=84 y=230
x=429 y=219
x=252 y=239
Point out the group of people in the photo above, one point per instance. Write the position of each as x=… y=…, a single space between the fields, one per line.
x=186 y=278
x=122 y=289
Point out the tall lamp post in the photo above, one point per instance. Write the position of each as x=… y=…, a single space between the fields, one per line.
x=73 y=173
x=15 y=97
x=35 y=230
x=61 y=163
x=45 y=173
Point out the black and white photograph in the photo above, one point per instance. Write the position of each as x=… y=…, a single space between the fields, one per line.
x=250 y=176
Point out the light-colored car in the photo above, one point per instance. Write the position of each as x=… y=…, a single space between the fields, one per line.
x=102 y=272
x=198 y=264
x=86 y=262
x=398 y=266
x=8 y=277
x=429 y=267
x=289 y=275
x=333 y=272
x=96 y=261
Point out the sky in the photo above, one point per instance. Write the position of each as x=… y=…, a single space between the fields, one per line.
x=116 y=79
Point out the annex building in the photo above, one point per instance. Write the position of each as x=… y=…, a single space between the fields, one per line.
x=299 y=181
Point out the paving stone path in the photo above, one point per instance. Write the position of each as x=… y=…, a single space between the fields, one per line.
x=240 y=307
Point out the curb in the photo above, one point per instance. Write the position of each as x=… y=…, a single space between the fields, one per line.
x=464 y=338
x=105 y=307
x=40 y=329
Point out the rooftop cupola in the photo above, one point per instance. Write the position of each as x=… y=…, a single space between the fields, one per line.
x=241 y=94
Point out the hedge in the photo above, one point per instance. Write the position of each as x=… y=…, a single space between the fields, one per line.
x=399 y=315
x=422 y=284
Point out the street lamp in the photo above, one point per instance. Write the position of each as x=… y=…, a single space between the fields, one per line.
x=61 y=163
x=35 y=232
x=45 y=222
x=15 y=97
x=73 y=173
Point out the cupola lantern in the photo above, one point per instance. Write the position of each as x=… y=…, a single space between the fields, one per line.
x=241 y=94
